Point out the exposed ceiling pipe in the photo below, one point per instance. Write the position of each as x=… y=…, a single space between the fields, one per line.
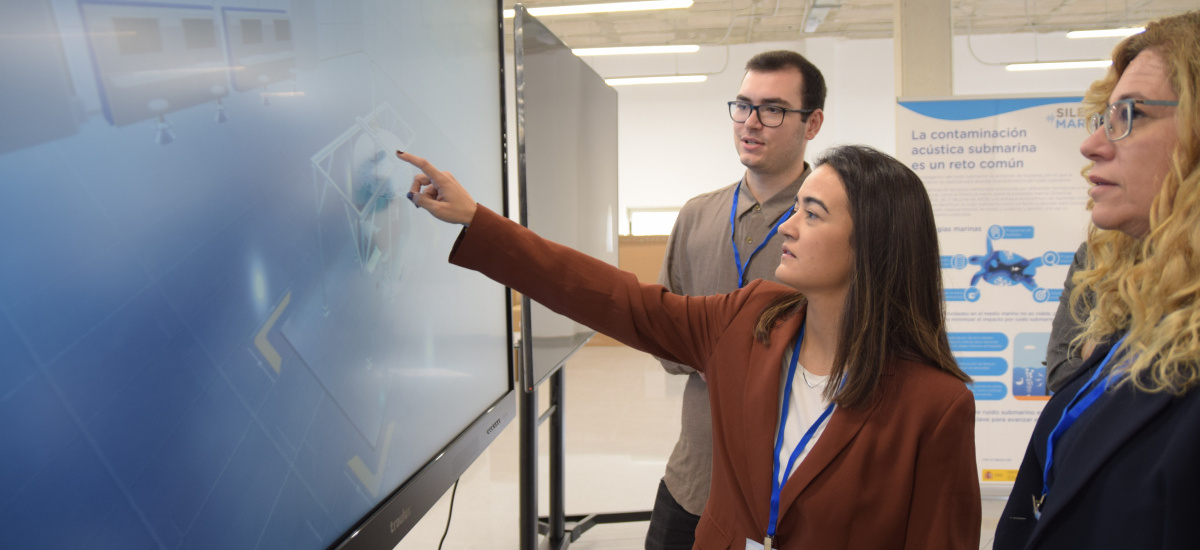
x=734 y=17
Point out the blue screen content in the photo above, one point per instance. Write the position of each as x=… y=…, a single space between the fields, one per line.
x=222 y=325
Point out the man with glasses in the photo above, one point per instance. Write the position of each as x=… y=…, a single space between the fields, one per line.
x=726 y=238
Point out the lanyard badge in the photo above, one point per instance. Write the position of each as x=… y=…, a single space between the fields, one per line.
x=737 y=255
x=776 y=482
x=1084 y=398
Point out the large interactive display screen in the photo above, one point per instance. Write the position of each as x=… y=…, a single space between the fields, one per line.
x=567 y=171
x=221 y=323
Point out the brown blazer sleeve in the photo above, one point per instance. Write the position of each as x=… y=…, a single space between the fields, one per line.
x=683 y=329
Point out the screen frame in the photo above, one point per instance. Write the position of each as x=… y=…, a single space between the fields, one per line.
x=397 y=514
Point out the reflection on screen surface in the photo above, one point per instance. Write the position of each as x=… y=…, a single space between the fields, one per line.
x=221 y=324
x=567 y=120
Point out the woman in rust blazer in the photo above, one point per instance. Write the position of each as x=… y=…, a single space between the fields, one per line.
x=890 y=460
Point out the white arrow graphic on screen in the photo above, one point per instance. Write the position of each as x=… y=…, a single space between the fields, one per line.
x=373 y=480
x=260 y=340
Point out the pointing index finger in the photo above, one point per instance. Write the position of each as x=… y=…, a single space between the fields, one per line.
x=421 y=164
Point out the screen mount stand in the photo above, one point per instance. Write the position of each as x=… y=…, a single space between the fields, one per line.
x=560 y=530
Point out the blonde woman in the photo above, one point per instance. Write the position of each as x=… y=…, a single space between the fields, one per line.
x=1114 y=461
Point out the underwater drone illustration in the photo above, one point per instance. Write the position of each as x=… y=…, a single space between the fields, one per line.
x=1006 y=268
x=360 y=169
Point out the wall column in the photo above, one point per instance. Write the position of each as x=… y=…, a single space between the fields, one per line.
x=923 y=43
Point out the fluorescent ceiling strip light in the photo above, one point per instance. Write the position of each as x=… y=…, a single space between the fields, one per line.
x=604 y=8
x=584 y=52
x=655 y=80
x=1052 y=65
x=1105 y=33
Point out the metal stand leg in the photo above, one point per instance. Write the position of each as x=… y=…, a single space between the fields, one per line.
x=558 y=507
x=528 y=418
x=560 y=530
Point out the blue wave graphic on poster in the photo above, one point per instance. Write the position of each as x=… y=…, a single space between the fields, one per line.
x=971 y=109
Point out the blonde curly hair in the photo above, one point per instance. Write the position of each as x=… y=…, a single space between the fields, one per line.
x=1150 y=286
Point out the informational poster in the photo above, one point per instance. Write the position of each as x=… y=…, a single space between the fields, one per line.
x=1003 y=174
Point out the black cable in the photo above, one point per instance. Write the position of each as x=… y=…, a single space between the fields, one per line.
x=449 y=515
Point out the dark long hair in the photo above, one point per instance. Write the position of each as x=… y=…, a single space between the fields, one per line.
x=895 y=308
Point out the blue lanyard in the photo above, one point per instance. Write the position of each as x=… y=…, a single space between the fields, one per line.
x=1083 y=399
x=776 y=485
x=737 y=255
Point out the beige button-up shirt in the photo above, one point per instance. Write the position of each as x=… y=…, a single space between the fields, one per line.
x=699 y=261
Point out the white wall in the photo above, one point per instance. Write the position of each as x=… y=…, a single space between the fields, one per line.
x=676 y=141
x=982 y=72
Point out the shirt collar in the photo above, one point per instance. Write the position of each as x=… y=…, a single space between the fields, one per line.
x=774 y=206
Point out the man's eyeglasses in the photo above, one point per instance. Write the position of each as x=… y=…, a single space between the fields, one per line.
x=768 y=115
x=1117 y=118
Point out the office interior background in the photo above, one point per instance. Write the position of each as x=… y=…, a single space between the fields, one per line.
x=675 y=142
x=209 y=183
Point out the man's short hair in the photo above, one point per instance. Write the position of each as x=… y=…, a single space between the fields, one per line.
x=812 y=93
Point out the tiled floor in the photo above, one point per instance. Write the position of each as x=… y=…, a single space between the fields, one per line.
x=622 y=418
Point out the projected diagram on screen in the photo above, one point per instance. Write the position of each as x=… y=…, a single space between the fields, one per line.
x=230 y=330
x=362 y=233
x=359 y=168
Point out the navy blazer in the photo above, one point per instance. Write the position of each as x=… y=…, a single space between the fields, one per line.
x=1126 y=475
